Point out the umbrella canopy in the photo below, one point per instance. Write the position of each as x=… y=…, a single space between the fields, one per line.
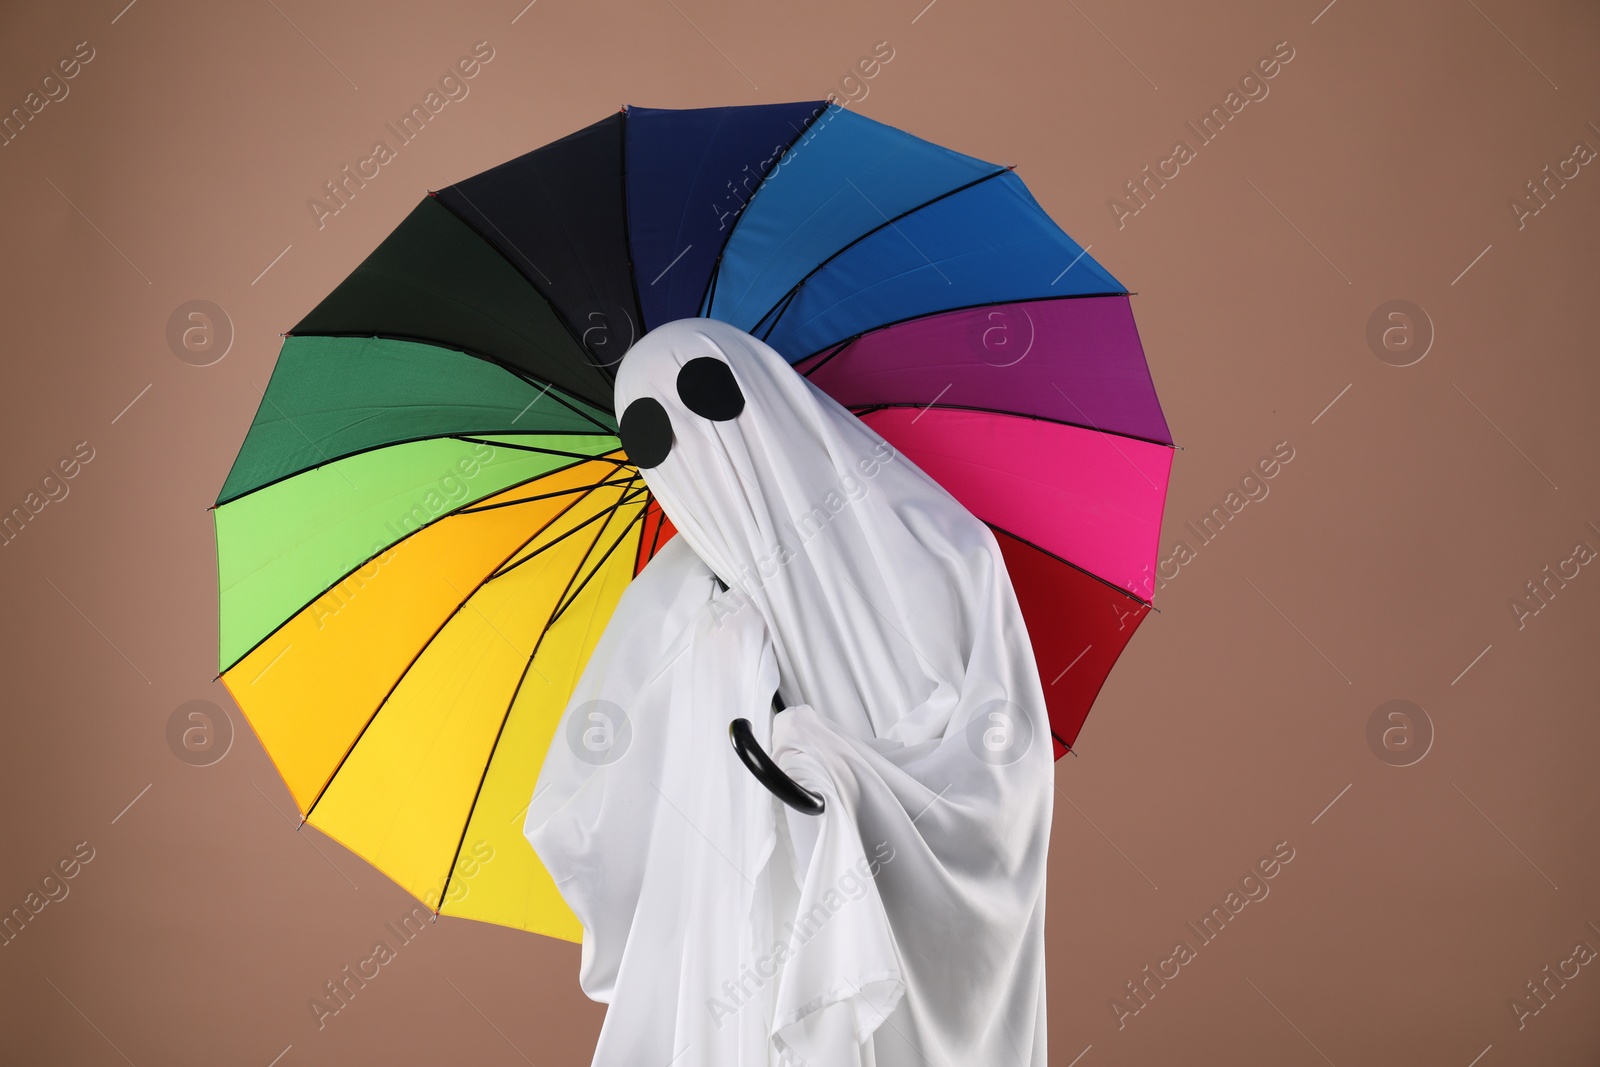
x=431 y=517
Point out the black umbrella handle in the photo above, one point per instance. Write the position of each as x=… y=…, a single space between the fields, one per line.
x=780 y=785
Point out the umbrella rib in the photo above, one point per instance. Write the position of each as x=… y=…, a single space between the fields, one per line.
x=887 y=222
x=683 y=219
x=655 y=540
x=455 y=346
x=603 y=457
x=471 y=436
x=425 y=646
x=540 y=496
x=561 y=600
x=887 y=404
x=560 y=316
x=780 y=307
x=1082 y=570
x=473 y=807
x=462 y=509
x=625 y=499
x=844 y=341
x=838 y=348
x=627 y=236
x=537 y=177
x=716 y=268
x=516 y=691
x=569 y=601
x=655 y=536
x=564 y=402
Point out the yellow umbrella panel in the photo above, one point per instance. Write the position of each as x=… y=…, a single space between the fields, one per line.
x=405 y=611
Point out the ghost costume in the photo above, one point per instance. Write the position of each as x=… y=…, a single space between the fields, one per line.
x=905 y=924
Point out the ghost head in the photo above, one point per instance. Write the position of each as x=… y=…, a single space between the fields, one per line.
x=747 y=458
x=706 y=386
x=804 y=510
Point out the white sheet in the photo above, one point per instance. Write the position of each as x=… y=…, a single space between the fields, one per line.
x=906 y=924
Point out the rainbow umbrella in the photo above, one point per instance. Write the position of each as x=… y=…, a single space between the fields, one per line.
x=431 y=517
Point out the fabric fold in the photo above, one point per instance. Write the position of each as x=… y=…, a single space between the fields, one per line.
x=905 y=924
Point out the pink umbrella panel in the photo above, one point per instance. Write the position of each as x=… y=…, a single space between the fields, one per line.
x=1041 y=418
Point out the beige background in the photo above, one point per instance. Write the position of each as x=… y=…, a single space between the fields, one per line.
x=1380 y=567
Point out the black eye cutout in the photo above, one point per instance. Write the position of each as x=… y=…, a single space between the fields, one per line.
x=646 y=432
x=707 y=387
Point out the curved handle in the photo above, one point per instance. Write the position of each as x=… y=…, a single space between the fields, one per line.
x=780 y=785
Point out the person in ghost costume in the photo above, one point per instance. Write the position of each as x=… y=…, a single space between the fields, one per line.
x=817 y=571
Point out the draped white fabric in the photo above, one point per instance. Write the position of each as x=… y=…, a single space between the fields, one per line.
x=903 y=926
